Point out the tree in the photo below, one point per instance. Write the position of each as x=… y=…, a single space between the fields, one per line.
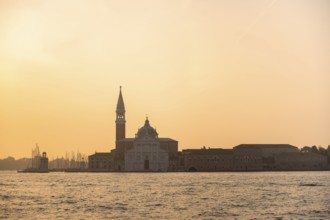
x=322 y=150
x=314 y=149
x=306 y=149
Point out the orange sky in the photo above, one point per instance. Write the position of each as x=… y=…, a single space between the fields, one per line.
x=213 y=73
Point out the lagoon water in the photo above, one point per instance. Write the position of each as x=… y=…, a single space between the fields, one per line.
x=260 y=195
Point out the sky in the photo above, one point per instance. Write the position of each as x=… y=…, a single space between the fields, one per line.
x=211 y=73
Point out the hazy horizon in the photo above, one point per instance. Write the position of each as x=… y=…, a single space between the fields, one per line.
x=207 y=73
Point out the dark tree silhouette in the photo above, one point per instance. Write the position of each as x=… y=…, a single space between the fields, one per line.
x=314 y=149
x=306 y=149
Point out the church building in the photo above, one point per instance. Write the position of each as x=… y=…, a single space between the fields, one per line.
x=144 y=152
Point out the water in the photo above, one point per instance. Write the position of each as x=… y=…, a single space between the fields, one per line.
x=260 y=195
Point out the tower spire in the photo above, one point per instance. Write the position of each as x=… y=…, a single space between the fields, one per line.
x=120 y=118
x=120 y=103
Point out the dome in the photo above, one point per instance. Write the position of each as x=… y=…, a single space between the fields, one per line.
x=147 y=130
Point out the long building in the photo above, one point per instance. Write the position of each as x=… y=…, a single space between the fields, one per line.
x=258 y=157
x=251 y=157
x=206 y=159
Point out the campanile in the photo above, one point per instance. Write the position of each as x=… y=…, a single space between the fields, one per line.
x=120 y=118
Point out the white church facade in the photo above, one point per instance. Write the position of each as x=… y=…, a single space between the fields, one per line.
x=146 y=154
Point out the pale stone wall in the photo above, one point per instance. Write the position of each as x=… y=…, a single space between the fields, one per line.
x=146 y=155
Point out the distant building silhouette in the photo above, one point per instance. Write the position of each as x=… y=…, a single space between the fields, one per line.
x=43 y=162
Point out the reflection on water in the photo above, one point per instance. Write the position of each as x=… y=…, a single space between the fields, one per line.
x=165 y=195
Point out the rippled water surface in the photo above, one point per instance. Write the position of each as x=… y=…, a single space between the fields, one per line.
x=261 y=195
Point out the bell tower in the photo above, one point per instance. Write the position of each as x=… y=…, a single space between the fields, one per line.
x=120 y=118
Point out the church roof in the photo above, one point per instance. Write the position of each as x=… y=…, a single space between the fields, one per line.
x=160 y=139
x=167 y=139
x=147 y=130
x=120 y=103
